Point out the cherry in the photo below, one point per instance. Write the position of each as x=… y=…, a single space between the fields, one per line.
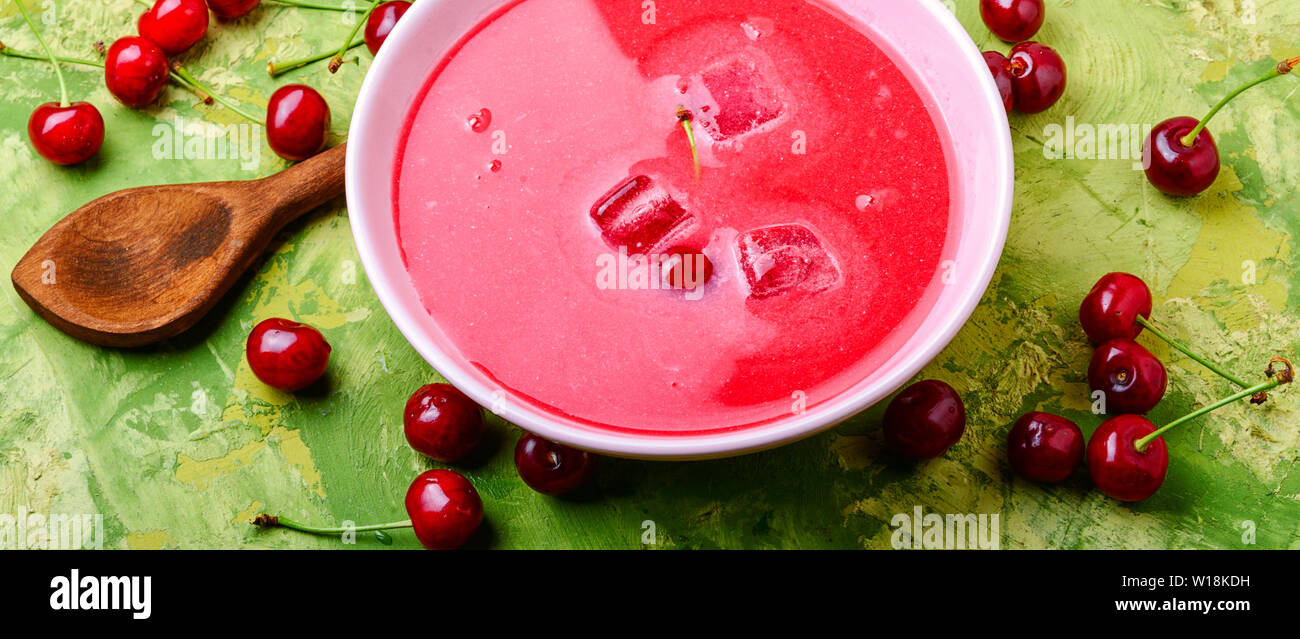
x=998 y=65
x=1176 y=168
x=232 y=9
x=924 y=420
x=1118 y=468
x=442 y=422
x=1044 y=447
x=1037 y=76
x=136 y=71
x=287 y=355
x=297 y=122
x=445 y=509
x=1133 y=379
x=1112 y=308
x=381 y=22
x=551 y=468
x=66 y=134
x=686 y=267
x=174 y=25
x=1013 y=20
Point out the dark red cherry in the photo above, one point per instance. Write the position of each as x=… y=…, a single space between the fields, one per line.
x=66 y=134
x=998 y=65
x=1176 y=168
x=684 y=267
x=231 y=9
x=381 y=23
x=287 y=355
x=444 y=508
x=1013 y=20
x=1037 y=76
x=924 y=420
x=136 y=71
x=1118 y=468
x=1110 y=310
x=297 y=122
x=551 y=468
x=1132 y=378
x=442 y=422
x=174 y=25
x=1044 y=447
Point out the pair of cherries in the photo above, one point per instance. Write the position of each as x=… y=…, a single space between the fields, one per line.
x=1033 y=77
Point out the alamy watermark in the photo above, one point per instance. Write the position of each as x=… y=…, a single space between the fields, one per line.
x=27 y=530
x=201 y=140
x=1086 y=141
x=933 y=531
x=652 y=272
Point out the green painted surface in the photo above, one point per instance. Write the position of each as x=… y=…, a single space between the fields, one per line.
x=179 y=444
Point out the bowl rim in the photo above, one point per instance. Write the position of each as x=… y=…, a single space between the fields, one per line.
x=922 y=349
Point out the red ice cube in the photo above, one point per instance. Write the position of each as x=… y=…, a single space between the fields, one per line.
x=785 y=258
x=638 y=214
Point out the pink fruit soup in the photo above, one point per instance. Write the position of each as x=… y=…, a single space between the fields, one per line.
x=545 y=169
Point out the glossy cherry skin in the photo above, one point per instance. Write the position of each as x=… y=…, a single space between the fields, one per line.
x=998 y=65
x=685 y=266
x=442 y=423
x=287 y=355
x=174 y=25
x=1118 y=469
x=1110 y=310
x=1037 y=76
x=66 y=134
x=1013 y=20
x=136 y=71
x=381 y=23
x=444 y=508
x=1133 y=379
x=1175 y=168
x=297 y=122
x=550 y=468
x=1044 y=447
x=231 y=9
x=924 y=420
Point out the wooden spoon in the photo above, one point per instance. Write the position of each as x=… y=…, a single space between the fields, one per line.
x=142 y=265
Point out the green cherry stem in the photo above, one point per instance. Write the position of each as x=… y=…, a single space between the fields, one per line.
x=337 y=60
x=1283 y=68
x=1276 y=378
x=144 y=3
x=684 y=116
x=58 y=72
x=186 y=79
x=313 y=5
x=1145 y=323
x=275 y=69
x=272 y=521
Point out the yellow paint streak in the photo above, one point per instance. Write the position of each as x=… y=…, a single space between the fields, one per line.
x=198 y=472
x=246 y=514
x=296 y=453
x=152 y=540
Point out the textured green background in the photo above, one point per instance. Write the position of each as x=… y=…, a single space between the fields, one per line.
x=179 y=444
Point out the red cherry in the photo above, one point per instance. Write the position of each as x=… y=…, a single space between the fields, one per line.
x=174 y=25
x=287 y=355
x=998 y=65
x=136 y=71
x=1118 y=468
x=381 y=23
x=1111 y=308
x=550 y=468
x=924 y=420
x=685 y=267
x=445 y=509
x=1037 y=76
x=1013 y=20
x=66 y=134
x=442 y=422
x=1133 y=379
x=297 y=122
x=1175 y=168
x=1044 y=447
x=231 y=9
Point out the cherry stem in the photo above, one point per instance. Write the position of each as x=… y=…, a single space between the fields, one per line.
x=1144 y=323
x=186 y=79
x=337 y=60
x=145 y=3
x=312 y=5
x=58 y=72
x=272 y=521
x=1276 y=378
x=274 y=69
x=684 y=116
x=1283 y=68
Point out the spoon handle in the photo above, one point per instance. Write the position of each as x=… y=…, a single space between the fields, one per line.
x=285 y=196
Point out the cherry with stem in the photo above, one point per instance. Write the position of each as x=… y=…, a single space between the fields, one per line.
x=62 y=132
x=13 y=53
